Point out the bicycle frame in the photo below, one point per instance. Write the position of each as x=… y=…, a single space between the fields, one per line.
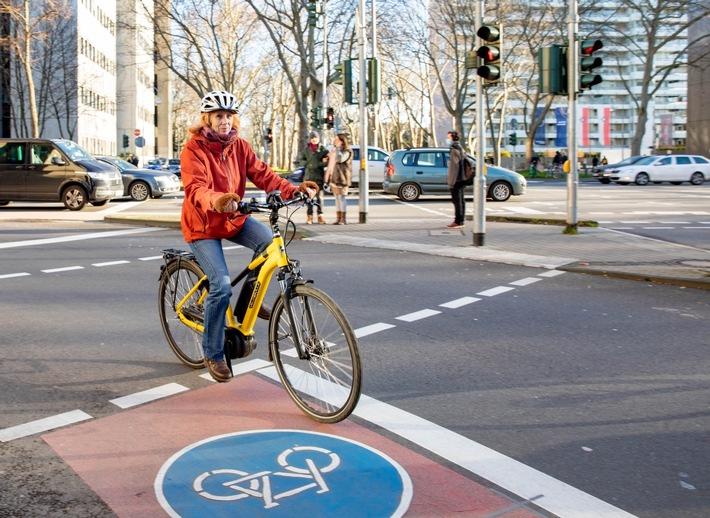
x=270 y=260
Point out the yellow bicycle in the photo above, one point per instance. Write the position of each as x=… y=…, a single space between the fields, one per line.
x=311 y=343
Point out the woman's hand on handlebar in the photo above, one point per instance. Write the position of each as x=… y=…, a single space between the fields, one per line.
x=309 y=188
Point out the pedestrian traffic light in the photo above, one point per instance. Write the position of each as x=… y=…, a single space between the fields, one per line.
x=587 y=63
x=344 y=76
x=312 y=13
x=552 y=69
x=315 y=117
x=269 y=136
x=490 y=54
x=373 y=81
x=329 y=117
x=513 y=139
x=125 y=141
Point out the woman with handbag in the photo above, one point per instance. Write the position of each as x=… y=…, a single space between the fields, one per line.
x=339 y=175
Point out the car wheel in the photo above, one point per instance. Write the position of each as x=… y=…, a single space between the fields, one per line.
x=409 y=192
x=642 y=179
x=139 y=191
x=697 y=178
x=74 y=197
x=604 y=180
x=99 y=203
x=500 y=191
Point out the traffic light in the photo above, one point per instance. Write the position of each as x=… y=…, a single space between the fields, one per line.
x=312 y=13
x=269 y=137
x=552 y=67
x=344 y=76
x=125 y=141
x=373 y=81
x=315 y=117
x=329 y=117
x=587 y=63
x=490 y=53
x=513 y=139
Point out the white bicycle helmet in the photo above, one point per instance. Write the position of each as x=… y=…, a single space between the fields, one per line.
x=219 y=100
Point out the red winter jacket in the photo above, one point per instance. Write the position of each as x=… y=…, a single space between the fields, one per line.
x=210 y=169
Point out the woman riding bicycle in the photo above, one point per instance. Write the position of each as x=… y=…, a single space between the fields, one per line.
x=216 y=164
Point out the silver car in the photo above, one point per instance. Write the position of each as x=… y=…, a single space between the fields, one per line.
x=411 y=173
x=140 y=184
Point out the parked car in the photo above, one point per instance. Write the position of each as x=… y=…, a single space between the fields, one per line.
x=296 y=176
x=55 y=170
x=411 y=173
x=675 y=169
x=157 y=163
x=603 y=172
x=174 y=166
x=140 y=184
x=376 y=159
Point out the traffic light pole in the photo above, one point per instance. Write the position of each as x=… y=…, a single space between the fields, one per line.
x=572 y=87
x=364 y=180
x=479 y=188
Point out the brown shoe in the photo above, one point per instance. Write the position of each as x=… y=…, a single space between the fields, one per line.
x=218 y=369
x=321 y=219
x=309 y=219
x=264 y=312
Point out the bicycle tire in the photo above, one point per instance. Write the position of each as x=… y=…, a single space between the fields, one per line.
x=178 y=278
x=326 y=384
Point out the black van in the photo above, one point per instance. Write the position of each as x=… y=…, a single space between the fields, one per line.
x=55 y=170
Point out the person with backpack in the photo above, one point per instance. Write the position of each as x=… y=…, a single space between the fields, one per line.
x=456 y=178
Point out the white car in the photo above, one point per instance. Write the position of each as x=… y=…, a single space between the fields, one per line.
x=675 y=169
x=376 y=158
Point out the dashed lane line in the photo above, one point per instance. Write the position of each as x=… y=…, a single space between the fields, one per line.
x=149 y=395
x=43 y=425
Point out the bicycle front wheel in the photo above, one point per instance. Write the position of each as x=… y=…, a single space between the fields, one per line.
x=177 y=280
x=325 y=383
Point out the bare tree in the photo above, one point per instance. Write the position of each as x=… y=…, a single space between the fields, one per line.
x=31 y=26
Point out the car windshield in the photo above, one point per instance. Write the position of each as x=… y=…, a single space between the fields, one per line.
x=72 y=150
x=630 y=160
x=647 y=160
x=122 y=163
x=174 y=161
x=155 y=161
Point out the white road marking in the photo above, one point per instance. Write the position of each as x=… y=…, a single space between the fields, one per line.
x=145 y=396
x=495 y=291
x=43 y=425
x=151 y=258
x=64 y=269
x=110 y=263
x=526 y=281
x=65 y=239
x=10 y=275
x=551 y=273
x=372 y=329
x=418 y=315
x=459 y=302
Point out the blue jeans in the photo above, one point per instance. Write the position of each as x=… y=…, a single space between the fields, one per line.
x=209 y=254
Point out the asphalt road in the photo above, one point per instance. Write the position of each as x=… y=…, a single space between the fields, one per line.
x=600 y=383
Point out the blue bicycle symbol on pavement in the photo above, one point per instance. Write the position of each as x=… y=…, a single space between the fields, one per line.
x=282 y=473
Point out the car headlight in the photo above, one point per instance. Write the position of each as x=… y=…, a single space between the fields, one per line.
x=101 y=176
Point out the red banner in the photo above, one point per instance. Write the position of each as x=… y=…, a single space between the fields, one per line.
x=606 y=127
x=585 y=127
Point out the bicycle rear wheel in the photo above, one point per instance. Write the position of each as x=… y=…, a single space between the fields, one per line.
x=177 y=280
x=325 y=384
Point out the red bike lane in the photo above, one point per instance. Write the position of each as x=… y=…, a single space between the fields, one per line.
x=136 y=461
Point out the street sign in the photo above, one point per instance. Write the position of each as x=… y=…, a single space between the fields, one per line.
x=140 y=141
x=136 y=132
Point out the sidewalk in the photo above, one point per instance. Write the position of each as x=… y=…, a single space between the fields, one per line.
x=539 y=244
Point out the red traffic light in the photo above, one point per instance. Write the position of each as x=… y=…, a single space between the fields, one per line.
x=588 y=47
x=489 y=53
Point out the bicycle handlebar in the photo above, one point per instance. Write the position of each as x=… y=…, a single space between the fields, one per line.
x=273 y=203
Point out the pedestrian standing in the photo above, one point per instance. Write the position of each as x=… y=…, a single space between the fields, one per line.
x=314 y=158
x=216 y=164
x=456 y=178
x=339 y=174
